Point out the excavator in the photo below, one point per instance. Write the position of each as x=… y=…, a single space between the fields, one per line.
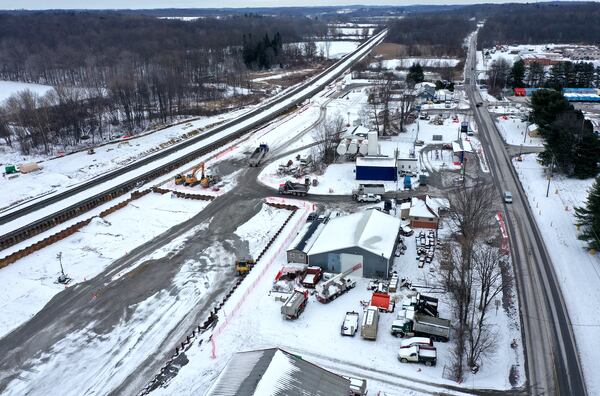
x=179 y=179
x=190 y=178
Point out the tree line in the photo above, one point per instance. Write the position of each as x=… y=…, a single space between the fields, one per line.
x=431 y=34
x=539 y=23
x=570 y=145
x=127 y=72
x=534 y=75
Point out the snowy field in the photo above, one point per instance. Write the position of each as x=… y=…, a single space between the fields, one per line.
x=336 y=49
x=350 y=31
x=9 y=88
x=31 y=282
x=513 y=131
x=578 y=271
x=261 y=228
x=408 y=62
x=315 y=335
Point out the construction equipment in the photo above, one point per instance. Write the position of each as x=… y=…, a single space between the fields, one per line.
x=209 y=180
x=422 y=304
x=243 y=267
x=190 y=179
x=10 y=169
x=290 y=188
x=294 y=305
x=179 y=179
x=412 y=324
x=258 y=154
x=312 y=277
x=418 y=354
x=336 y=286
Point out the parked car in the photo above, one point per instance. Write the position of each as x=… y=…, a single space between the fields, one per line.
x=369 y=198
x=406 y=230
x=419 y=143
x=508 y=198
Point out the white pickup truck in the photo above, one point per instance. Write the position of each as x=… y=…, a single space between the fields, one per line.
x=418 y=354
x=350 y=324
x=369 y=198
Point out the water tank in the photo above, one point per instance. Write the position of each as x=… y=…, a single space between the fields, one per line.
x=353 y=147
x=363 y=147
x=373 y=145
x=342 y=148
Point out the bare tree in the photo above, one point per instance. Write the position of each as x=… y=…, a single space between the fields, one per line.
x=328 y=136
x=407 y=100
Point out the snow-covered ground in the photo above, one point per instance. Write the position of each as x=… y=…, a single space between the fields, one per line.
x=513 y=131
x=577 y=270
x=9 y=88
x=350 y=31
x=315 y=335
x=336 y=49
x=261 y=228
x=408 y=62
x=31 y=282
x=63 y=172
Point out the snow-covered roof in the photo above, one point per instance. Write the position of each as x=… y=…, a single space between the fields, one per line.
x=307 y=236
x=405 y=205
x=419 y=209
x=456 y=147
x=370 y=230
x=436 y=204
x=273 y=372
x=466 y=145
x=385 y=162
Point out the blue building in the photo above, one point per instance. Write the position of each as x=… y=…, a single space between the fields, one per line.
x=376 y=168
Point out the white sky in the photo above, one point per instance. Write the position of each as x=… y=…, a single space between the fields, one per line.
x=146 y=4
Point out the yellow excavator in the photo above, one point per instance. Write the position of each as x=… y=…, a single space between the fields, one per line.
x=191 y=179
x=243 y=267
x=179 y=179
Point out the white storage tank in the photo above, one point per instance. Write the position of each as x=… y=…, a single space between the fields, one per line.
x=373 y=145
x=342 y=148
x=363 y=147
x=353 y=146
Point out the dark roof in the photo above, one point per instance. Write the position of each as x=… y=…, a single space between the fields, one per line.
x=311 y=230
x=277 y=373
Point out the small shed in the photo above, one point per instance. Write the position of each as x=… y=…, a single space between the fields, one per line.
x=376 y=168
x=425 y=212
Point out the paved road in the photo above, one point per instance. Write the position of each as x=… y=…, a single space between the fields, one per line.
x=552 y=362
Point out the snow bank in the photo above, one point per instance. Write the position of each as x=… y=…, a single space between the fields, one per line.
x=9 y=88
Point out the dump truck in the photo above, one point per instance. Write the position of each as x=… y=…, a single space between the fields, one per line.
x=290 y=188
x=416 y=324
x=336 y=286
x=363 y=189
x=368 y=328
x=242 y=267
x=312 y=277
x=258 y=154
x=294 y=305
x=418 y=354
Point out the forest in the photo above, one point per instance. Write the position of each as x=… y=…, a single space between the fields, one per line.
x=539 y=23
x=110 y=69
x=432 y=34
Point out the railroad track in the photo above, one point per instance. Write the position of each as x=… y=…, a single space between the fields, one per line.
x=23 y=222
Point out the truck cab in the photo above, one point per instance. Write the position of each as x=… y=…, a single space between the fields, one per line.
x=418 y=354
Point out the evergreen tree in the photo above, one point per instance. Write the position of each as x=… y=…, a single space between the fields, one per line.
x=535 y=75
x=588 y=217
x=546 y=106
x=415 y=74
x=517 y=74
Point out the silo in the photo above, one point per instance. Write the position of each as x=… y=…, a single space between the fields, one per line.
x=373 y=145
x=342 y=147
x=353 y=147
x=363 y=147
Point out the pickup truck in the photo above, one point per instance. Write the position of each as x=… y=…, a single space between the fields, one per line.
x=418 y=354
x=350 y=324
x=369 y=198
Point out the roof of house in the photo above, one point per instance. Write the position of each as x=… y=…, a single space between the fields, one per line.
x=385 y=162
x=274 y=372
x=427 y=207
x=370 y=230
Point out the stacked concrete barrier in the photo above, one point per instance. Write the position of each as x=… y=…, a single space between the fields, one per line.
x=184 y=195
x=66 y=232
x=211 y=321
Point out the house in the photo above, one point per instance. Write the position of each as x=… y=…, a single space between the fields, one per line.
x=276 y=372
x=425 y=212
x=368 y=237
